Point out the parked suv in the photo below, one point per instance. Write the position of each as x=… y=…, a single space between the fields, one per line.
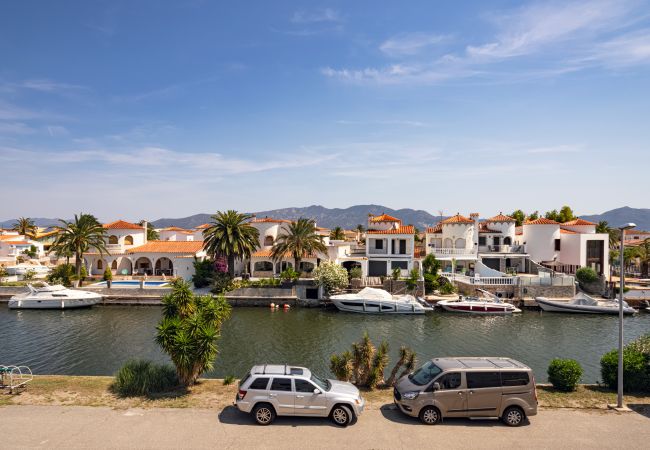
x=468 y=387
x=279 y=390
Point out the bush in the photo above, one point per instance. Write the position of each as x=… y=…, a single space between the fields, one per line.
x=29 y=275
x=230 y=379
x=396 y=273
x=222 y=282
x=636 y=367
x=446 y=288
x=412 y=280
x=203 y=273
x=356 y=272
x=289 y=274
x=586 y=275
x=330 y=276
x=564 y=374
x=108 y=274
x=144 y=378
x=62 y=274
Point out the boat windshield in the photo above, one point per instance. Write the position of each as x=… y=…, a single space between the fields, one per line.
x=325 y=385
x=425 y=374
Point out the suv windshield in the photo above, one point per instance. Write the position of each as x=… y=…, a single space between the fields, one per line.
x=425 y=374
x=323 y=384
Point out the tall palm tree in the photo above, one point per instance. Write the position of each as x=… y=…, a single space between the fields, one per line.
x=231 y=236
x=643 y=253
x=300 y=239
x=337 y=234
x=603 y=227
x=25 y=226
x=78 y=237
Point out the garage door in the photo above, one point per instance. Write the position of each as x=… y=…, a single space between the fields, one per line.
x=376 y=268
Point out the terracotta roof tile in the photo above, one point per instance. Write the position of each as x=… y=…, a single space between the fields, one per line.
x=565 y=231
x=542 y=221
x=174 y=229
x=578 y=222
x=483 y=228
x=122 y=225
x=500 y=218
x=202 y=227
x=457 y=219
x=168 y=247
x=267 y=254
x=404 y=229
x=435 y=229
x=384 y=218
x=269 y=220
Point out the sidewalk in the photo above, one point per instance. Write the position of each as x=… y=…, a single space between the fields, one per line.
x=99 y=427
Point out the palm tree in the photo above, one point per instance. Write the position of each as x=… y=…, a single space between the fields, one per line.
x=643 y=253
x=300 y=239
x=603 y=227
x=78 y=237
x=152 y=234
x=360 y=230
x=337 y=234
x=25 y=226
x=230 y=235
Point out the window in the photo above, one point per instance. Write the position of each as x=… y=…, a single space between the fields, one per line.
x=304 y=386
x=268 y=241
x=450 y=381
x=263 y=266
x=379 y=244
x=128 y=240
x=481 y=240
x=114 y=265
x=112 y=240
x=425 y=374
x=496 y=240
x=404 y=265
x=259 y=383
x=281 y=384
x=557 y=245
x=507 y=240
x=100 y=265
x=402 y=246
x=477 y=380
x=514 y=378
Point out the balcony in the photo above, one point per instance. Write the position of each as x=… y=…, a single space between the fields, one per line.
x=451 y=253
x=114 y=248
x=518 y=249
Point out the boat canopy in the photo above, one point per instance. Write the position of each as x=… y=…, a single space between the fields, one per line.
x=374 y=294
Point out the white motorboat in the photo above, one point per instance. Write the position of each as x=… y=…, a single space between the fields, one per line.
x=582 y=303
x=488 y=304
x=377 y=301
x=53 y=297
x=22 y=269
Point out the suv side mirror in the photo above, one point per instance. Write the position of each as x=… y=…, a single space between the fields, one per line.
x=317 y=391
x=436 y=386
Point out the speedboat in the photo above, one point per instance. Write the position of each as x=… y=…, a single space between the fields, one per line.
x=377 y=301
x=53 y=297
x=582 y=303
x=488 y=304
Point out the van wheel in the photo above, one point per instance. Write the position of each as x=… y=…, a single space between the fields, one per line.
x=341 y=415
x=430 y=415
x=513 y=416
x=264 y=414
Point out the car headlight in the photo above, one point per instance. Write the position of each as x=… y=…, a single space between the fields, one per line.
x=410 y=395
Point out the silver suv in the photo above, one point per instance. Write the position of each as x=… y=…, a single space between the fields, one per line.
x=468 y=387
x=269 y=390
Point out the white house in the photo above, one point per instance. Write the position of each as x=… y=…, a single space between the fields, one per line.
x=390 y=245
x=176 y=234
x=13 y=245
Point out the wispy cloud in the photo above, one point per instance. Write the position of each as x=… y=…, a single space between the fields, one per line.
x=556 y=149
x=15 y=128
x=407 y=123
x=316 y=16
x=407 y=44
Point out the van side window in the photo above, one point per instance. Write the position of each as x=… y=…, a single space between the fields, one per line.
x=304 y=386
x=281 y=384
x=477 y=380
x=259 y=383
x=514 y=378
x=450 y=381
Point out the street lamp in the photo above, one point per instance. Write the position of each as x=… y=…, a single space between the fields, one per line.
x=619 y=400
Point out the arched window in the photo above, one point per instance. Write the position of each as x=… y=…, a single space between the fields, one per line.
x=306 y=266
x=448 y=243
x=114 y=265
x=268 y=241
x=263 y=266
x=507 y=241
x=128 y=240
x=100 y=265
x=112 y=240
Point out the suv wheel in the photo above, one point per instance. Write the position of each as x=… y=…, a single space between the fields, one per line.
x=513 y=416
x=430 y=415
x=264 y=414
x=341 y=415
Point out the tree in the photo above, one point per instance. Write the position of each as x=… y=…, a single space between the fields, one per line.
x=412 y=280
x=643 y=253
x=430 y=264
x=360 y=230
x=565 y=214
x=231 y=236
x=552 y=215
x=152 y=234
x=300 y=240
x=189 y=330
x=519 y=217
x=407 y=360
x=330 y=276
x=603 y=227
x=79 y=236
x=533 y=216
x=26 y=227
x=337 y=234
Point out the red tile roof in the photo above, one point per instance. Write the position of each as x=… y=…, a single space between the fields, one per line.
x=174 y=229
x=404 y=229
x=457 y=219
x=122 y=225
x=483 y=228
x=564 y=231
x=18 y=242
x=202 y=227
x=267 y=254
x=435 y=229
x=501 y=218
x=383 y=218
x=269 y=220
x=168 y=247
x=542 y=221
x=578 y=222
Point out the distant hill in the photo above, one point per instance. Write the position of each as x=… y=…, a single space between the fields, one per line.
x=621 y=216
x=347 y=218
x=38 y=221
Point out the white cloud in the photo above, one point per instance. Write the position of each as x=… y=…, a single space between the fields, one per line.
x=15 y=128
x=316 y=16
x=628 y=50
x=45 y=85
x=406 y=44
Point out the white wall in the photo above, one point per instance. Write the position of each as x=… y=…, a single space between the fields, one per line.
x=455 y=231
x=540 y=241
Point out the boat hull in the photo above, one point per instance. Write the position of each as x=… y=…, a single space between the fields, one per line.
x=551 y=306
x=21 y=303
x=483 y=309
x=378 y=307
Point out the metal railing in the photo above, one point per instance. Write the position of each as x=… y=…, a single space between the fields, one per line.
x=502 y=249
x=450 y=251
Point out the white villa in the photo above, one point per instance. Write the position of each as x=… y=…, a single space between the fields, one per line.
x=131 y=254
x=13 y=245
x=389 y=245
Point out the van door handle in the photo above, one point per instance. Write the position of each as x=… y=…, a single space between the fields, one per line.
x=471 y=392
x=273 y=395
x=300 y=396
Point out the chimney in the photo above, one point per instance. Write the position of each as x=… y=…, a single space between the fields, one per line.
x=145 y=226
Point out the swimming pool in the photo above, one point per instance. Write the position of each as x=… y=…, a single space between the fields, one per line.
x=132 y=283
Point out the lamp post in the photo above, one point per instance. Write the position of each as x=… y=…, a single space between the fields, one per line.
x=619 y=399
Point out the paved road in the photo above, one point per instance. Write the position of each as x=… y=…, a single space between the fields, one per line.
x=95 y=427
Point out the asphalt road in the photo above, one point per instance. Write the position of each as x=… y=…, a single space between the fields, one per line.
x=98 y=427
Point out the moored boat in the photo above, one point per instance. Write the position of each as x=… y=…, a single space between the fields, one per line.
x=53 y=297
x=377 y=301
x=583 y=303
x=488 y=304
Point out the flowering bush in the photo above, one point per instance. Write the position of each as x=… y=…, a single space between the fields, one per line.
x=330 y=276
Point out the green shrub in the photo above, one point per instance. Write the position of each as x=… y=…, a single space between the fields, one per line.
x=230 y=379
x=412 y=280
x=396 y=273
x=289 y=274
x=356 y=272
x=29 y=275
x=636 y=367
x=564 y=374
x=222 y=282
x=586 y=275
x=330 y=276
x=144 y=378
x=446 y=288
x=62 y=274
x=203 y=273
x=108 y=274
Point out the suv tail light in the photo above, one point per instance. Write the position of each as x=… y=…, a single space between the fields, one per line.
x=241 y=394
x=535 y=389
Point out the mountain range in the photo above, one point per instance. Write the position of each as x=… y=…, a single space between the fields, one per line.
x=349 y=218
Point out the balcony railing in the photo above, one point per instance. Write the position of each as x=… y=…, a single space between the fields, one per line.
x=448 y=251
x=502 y=249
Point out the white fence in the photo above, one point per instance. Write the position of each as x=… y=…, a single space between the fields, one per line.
x=511 y=281
x=449 y=251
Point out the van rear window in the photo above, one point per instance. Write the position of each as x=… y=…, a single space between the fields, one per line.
x=514 y=378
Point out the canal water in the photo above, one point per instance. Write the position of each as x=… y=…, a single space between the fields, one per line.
x=97 y=341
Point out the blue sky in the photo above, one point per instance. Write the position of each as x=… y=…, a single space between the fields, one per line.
x=164 y=109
